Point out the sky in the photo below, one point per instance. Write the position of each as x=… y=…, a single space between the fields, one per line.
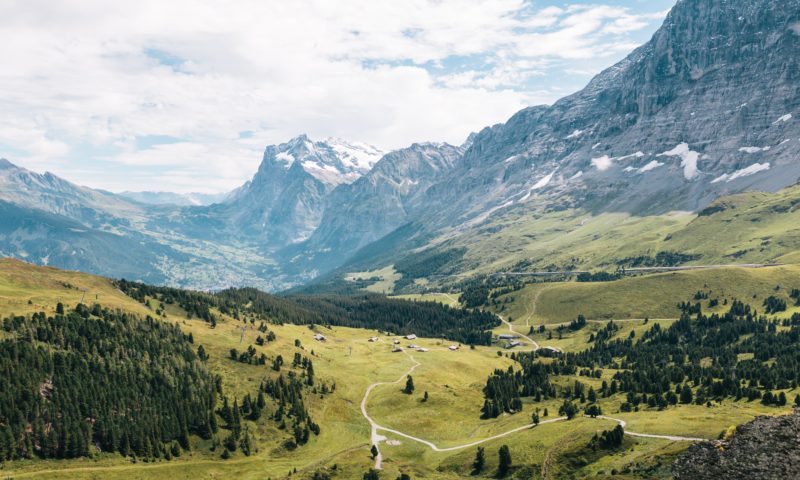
x=184 y=95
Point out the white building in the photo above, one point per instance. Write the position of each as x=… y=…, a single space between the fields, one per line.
x=453 y=347
x=411 y=337
x=373 y=339
x=319 y=337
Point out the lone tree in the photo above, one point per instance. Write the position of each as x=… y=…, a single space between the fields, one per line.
x=535 y=418
x=409 y=386
x=504 y=464
x=374 y=451
x=568 y=409
x=593 y=410
x=425 y=397
x=480 y=461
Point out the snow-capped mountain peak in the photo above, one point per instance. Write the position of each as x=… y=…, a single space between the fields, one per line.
x=332 y=161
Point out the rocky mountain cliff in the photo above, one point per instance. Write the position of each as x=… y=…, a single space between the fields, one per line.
x=375 y=204
x=284 y=202
x=708 y=107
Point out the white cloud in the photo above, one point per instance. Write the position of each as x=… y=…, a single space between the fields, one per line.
x=84 y=84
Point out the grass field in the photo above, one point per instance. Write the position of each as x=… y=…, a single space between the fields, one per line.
x=449 y=299
x=653 y=295
x=385 y=278
x=450 y=417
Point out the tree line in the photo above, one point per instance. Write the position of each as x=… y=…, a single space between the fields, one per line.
x=369 y=311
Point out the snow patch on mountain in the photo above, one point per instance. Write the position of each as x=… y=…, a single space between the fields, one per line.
x=784 y=118
x=544 y=181
x=602 y=163
x=754 y=149
x=650 y=166
x=632 y=155
x=575 y=134
x=356 y=155
x=744 y=172
x=286 y=158
x=688 y=159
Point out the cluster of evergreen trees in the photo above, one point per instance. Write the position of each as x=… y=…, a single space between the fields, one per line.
x=598 y=277
x=710 y=357
x=795 y=294
x=661 y=259
x=370 y=311
x=608 y=439
x=287 y=391
x=773 y=304
x=93 y=376
x=425 y=319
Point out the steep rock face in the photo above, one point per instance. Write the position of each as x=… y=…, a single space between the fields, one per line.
x=710 y=106
x=377 y=203
x=284 y=201
x=766 y=448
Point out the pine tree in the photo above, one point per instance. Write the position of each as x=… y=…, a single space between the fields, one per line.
x=480 y=461
x=504 y=461
x=409 y=389
x=374 y=451
x=686 y=395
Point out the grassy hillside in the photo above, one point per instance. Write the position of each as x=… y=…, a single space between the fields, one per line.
x=653 y=296
x=449 y=418
x=752 y=227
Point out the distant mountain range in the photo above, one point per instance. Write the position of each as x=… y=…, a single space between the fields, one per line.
x=179 y=199
x=709 y=107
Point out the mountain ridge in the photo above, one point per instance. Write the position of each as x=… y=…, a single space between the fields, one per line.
x=708 y=107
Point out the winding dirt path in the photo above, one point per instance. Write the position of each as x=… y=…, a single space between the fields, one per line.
x=375 y=427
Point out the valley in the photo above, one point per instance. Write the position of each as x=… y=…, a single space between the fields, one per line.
x=435 y=438
x=604 y=285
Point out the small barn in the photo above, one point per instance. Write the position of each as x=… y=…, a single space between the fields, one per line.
x=411 y=337
x=319 y=337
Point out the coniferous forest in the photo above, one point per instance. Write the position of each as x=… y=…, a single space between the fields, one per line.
x=100 y=377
